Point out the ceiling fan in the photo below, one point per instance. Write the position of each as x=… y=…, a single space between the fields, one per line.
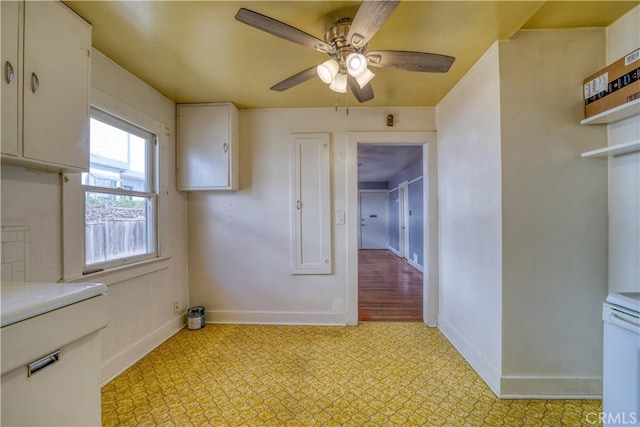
x=346 y=43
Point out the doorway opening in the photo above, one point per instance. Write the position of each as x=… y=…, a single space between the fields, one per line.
x=390 y=235
x=426 y=139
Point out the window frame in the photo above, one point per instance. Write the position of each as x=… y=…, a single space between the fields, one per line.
x=151 y=184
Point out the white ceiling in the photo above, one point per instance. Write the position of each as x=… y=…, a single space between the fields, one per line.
x=379 y=163
x=195 y=51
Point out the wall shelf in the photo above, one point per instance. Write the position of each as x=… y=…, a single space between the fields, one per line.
x=612 y=150
x=620 y=112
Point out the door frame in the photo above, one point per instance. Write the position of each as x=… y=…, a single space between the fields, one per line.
x=386 y=207
x=403 y=219
x=428 y=140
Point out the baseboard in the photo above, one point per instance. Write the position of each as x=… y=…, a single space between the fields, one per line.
x=479 y=364
x=275 y=318
x=513 y=387
x=130 y=355
x=415 y=265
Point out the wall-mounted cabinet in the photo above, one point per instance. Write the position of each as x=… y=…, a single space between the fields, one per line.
x=46 y=51
x=207 y=146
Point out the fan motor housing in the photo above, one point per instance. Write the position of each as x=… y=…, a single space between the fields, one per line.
x=337 y=34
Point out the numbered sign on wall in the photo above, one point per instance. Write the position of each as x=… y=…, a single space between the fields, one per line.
x=310 y=204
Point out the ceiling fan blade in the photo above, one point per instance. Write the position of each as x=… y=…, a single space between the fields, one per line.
x=368 y=20
x=280 y=29
x=362 y=94
x=411 y=61
x=295 y=80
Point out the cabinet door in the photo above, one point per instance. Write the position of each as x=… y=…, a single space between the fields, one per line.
x=204 y=147
x=57 y=45
x=11 y=78
x=311 y=204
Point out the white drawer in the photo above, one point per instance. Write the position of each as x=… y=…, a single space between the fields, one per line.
x=26 y=341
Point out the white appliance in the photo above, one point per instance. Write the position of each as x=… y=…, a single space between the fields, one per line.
x=51 y=353
x=621 y=360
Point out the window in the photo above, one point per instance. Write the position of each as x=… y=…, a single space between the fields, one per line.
x=119 y=194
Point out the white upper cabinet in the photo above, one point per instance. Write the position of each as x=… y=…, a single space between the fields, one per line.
x=207 y=146
x=53 y=94
x=11 y=78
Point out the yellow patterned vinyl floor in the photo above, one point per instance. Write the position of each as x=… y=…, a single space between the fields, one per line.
x=370 y=375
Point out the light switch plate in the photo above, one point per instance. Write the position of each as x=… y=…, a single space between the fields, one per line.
x=340 y=217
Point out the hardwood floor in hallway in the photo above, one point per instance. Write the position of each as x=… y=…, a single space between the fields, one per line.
x=389 y=289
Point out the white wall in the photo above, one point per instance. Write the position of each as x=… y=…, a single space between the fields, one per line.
x=554 y=219
x=33 y=199
x=623 y=36
x=140 y=309
x=239 y=241
x=470 y=200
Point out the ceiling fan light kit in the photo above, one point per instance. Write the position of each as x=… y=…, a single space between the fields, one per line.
x=346 y=42
x=328 y=70
x=345 y=59
x=334 y=74
x=364 y=78
x=356 y=64
x=339 y=83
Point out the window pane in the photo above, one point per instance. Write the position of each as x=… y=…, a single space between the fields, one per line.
x=117 y=227
x=118 y=158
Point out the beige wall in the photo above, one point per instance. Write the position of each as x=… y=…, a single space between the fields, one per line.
x=239 y=242
x=554 y=215
x=523 y=219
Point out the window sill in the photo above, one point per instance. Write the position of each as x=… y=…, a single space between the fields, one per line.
x=123 y=273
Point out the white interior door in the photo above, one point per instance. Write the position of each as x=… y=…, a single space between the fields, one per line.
x=373 y=219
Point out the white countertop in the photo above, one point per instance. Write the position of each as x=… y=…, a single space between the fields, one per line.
x=23 y=300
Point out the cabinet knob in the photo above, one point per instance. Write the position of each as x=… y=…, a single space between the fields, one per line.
x=8 y=72
x=35 y=83
x=225 y=147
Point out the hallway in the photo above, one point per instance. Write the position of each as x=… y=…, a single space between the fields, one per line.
x=389 y=289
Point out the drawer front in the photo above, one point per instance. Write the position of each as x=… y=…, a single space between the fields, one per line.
x=64 y=393
x=29 y=340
